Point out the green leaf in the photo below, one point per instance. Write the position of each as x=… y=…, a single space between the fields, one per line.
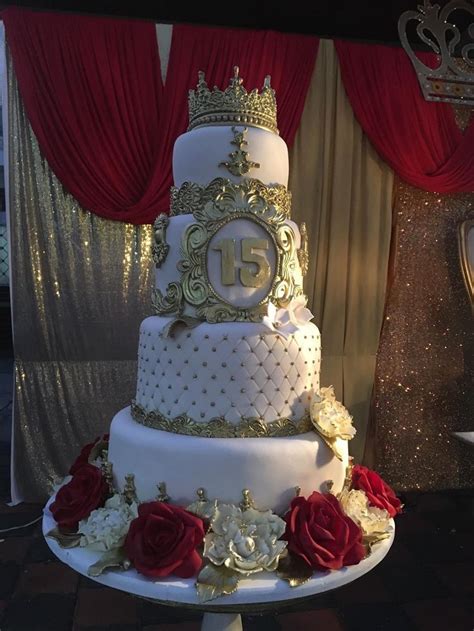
x=112 y=558
x=294 y=570
x=214 y=581
x=65 y=539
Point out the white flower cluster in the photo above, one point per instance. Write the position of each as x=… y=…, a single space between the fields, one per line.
x=330 y=417
x=245 y=541
x=373 y=521
x=286 y=321
x=107 y=527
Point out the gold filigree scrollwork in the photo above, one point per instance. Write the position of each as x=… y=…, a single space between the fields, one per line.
x=190 y=197
x=239 y=163
x=171 y=304
x=220 y=428
x=233 y=201
x=303 y=254
x=160 y=247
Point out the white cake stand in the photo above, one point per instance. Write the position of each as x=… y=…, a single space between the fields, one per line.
x=263 y=591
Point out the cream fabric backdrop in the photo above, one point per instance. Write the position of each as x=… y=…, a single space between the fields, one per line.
x=343 y=191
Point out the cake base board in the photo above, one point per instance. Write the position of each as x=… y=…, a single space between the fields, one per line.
x=261 y=592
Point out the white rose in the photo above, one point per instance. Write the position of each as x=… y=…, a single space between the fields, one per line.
x=372 y=520
x=107 y=527
x=245 y=541
x=330 y=417
x=287 y=320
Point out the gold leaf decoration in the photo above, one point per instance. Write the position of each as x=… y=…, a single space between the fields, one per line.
x=185 y=321
x=65 y=539
x=369 y=541
x=333 y=445
x=113 y=558
x=294 y=570
x=218 y=427
x=347 y=478
x=99 y=451
x=214 y=581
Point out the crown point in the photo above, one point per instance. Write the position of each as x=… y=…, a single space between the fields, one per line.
x=234 y=104
x=267 y=82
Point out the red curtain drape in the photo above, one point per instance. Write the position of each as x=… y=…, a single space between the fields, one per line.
x=289 y=59
x=93 y=93
x=418 y=139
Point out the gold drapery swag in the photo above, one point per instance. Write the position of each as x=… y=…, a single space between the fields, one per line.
x=343 y=191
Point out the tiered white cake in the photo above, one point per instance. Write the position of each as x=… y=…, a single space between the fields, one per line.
x=229 y=364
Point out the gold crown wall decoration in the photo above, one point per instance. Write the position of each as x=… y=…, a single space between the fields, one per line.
x=232 y=106
x=452 y=81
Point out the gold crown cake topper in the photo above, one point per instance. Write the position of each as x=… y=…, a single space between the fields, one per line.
x=233 y=105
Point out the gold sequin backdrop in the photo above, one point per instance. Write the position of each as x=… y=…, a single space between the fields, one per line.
x=425 y=366
x=81 y=286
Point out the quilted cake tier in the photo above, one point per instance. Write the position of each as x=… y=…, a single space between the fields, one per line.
x=235 y=372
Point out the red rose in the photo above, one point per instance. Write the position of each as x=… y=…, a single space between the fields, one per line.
x=83 y=457
x=78 y=498
x=378 y=492
x=163 y=539
x=318 y=531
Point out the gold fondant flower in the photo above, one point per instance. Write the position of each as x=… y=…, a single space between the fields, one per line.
x=373 y=521
x=287 y=320
x=331 y=420
x=245 y=541
x=330 y=417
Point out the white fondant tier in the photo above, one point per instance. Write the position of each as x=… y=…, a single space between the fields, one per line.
x=234 y=370
x=270 y=468
x=198 y=153
x=238 y=229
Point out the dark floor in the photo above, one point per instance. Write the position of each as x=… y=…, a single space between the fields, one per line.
x=425 y=583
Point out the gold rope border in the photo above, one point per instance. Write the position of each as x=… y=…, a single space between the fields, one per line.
x=220 y=428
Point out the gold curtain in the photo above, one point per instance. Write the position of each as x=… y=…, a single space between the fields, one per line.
x=343 y=191
x=80 y=287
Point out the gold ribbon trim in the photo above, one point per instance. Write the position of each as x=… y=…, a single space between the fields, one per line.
x=220 y=428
